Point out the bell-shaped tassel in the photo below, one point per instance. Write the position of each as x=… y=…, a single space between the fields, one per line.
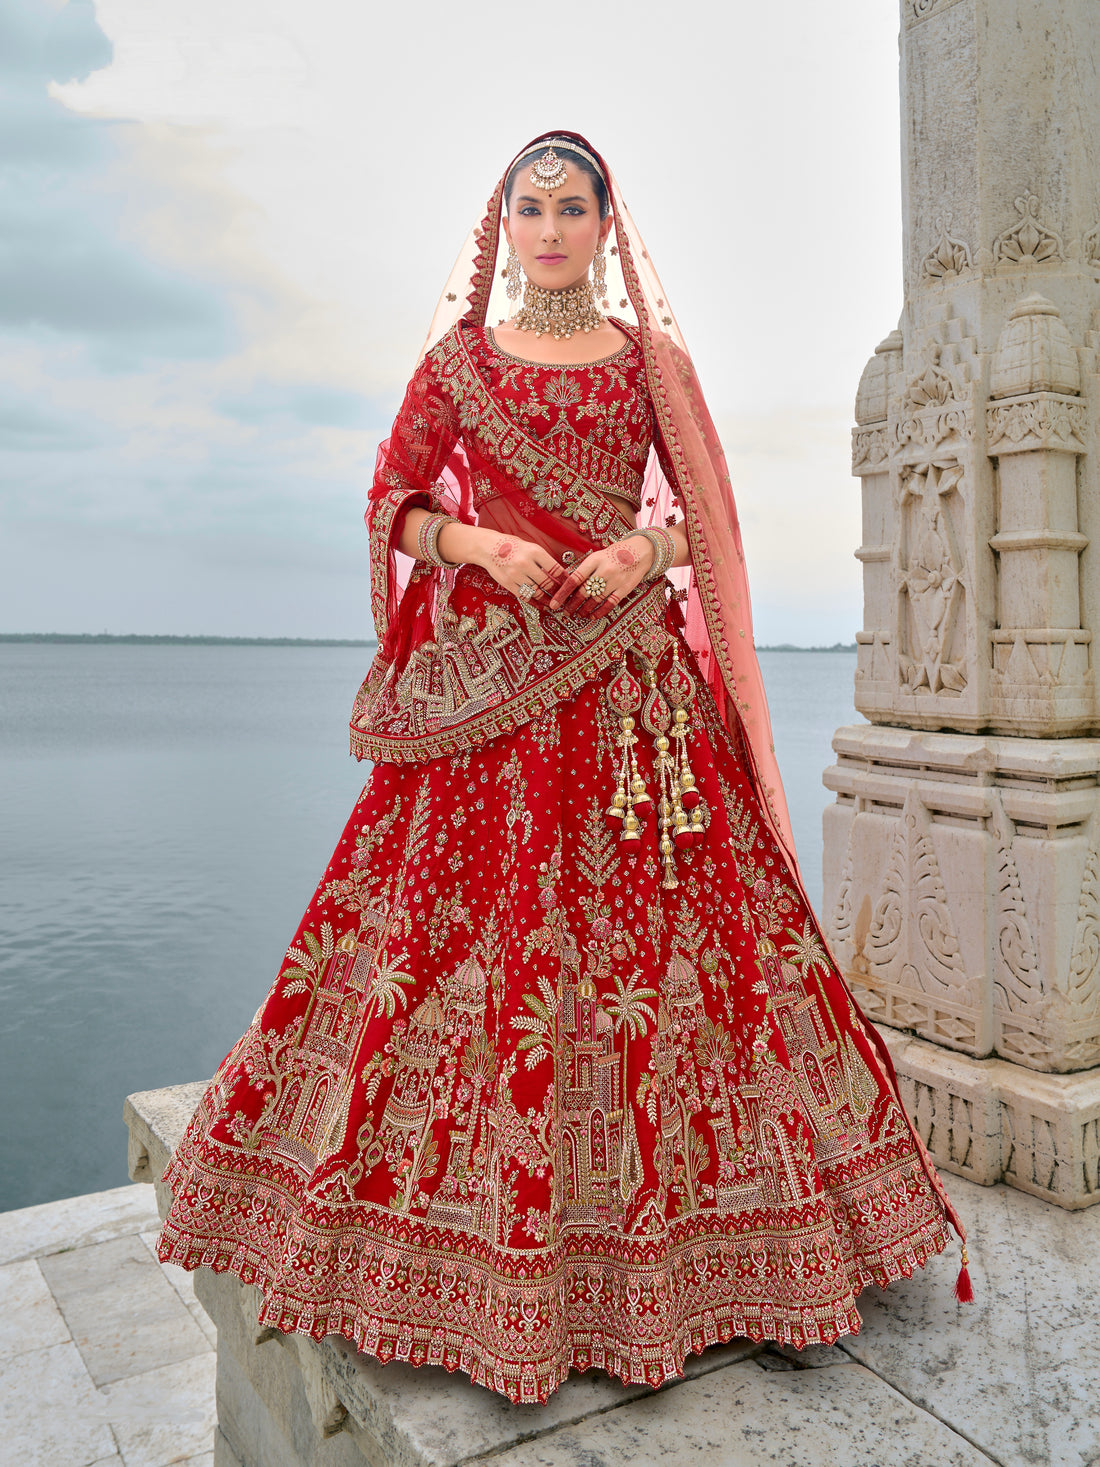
x=624 y=698
x=631 y=838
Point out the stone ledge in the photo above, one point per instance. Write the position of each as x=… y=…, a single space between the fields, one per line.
x=991 y=1121
x=156 y=1121
x=934 y=1369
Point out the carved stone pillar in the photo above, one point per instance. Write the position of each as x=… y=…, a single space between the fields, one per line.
x=962 y=856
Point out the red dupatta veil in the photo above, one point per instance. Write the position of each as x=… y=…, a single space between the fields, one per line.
x=714 y=590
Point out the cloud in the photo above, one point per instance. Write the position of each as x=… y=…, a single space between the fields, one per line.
x=52 y=42
x=65 y=262
x=26 y=426
x=62 y=268
x=223 y=229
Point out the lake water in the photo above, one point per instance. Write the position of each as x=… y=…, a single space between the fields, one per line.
x=165 y=813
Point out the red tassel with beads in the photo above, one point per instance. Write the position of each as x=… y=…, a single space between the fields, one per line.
x=964 y=1290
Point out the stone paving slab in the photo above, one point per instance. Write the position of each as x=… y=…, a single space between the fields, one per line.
x=29 y=1316
x=49 y=1411
x=124 y=1315
x=147 y=1414
x=163 y=1415
x=1015 y=1371
x=426 y=1414
x=184 y=1284
x=74 y=1222
x=744 y=1416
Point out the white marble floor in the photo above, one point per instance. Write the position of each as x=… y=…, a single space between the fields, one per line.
x=106 y=1359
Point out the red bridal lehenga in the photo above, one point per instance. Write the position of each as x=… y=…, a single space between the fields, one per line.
x=529 y=1096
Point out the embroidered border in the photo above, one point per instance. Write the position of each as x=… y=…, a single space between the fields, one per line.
x=553 y=484
x=640 y=625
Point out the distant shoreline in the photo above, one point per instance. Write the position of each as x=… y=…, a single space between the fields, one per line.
x=136 y=639
x=790 y=647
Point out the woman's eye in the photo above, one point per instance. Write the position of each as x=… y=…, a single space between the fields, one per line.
x=528 y=211
x=572 y=209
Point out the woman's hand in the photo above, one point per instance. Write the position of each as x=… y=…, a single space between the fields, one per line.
x=622 y=566
x=513 y=563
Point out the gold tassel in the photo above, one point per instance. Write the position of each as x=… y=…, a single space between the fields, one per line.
x=624 y=697
x=679 y=689
x=656 y=720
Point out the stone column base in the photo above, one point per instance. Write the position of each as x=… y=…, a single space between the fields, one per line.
x=993 y=1121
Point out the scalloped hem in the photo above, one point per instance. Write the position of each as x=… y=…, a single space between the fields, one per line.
x=435 y=1341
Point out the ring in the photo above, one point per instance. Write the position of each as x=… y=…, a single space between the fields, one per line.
x=596 y=587
x=526 y=591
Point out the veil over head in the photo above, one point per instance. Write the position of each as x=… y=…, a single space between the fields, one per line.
x=690 y=473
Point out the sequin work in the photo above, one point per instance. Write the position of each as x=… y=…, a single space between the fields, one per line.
x=515 y=1107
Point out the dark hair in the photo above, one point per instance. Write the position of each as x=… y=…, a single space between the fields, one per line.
x=575 y=160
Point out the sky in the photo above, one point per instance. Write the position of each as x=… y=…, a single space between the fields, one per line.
x=224 y=225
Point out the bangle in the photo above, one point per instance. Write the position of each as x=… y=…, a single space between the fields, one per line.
x=664 y=551
x=427 y=540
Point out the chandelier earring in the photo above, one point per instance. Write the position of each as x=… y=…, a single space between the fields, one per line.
x=599 y=273
x=514 y=274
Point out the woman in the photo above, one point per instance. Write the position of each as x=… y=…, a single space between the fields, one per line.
x=558 y=1072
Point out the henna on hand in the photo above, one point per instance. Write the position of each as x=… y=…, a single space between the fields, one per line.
x=503 y=552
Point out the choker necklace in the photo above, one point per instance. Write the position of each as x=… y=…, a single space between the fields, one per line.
x=558 y=312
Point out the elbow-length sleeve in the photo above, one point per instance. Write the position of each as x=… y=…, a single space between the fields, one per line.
x=407 y=475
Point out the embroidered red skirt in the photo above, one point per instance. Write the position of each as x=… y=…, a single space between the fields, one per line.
x=515 y=1107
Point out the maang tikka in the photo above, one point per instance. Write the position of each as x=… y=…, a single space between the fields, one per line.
x=549 y=172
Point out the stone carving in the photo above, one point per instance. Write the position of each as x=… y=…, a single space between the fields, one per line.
x=870 y=448
x=1081 y=1004
x=1042 y=421
x=905 y=961
x=932 y=646
x=933 y=406
x=1029 y=241
x=911 y=927
x=1091 y=247
x=1036 y=660
x=843 y=924
x=918 y=10
x=1029 y=1150
x=1017 y=981
x=1035 y=352
x=1019 y=1001
x=949 y=257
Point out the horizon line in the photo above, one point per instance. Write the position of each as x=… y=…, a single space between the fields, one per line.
x=204 y=639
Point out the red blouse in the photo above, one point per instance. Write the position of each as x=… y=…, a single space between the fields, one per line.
x=596 y=417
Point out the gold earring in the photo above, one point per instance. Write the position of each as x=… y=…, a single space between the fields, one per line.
x=599 y=273
x=514 y=274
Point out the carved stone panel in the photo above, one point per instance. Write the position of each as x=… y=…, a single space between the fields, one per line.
x=962 y=890
x=932 y=639
x=1030 y=241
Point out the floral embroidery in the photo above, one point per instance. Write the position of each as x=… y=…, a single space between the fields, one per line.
x=559 y=1117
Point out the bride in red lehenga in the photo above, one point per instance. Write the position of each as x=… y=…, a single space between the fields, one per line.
x=558 y=1072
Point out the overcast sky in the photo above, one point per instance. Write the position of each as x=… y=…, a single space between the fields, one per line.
x=224 y=225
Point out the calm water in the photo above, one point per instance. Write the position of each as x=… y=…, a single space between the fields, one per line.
x=165 y=813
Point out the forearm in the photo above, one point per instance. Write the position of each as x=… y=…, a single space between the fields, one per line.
x=678 y=531
x=458 y=543
x=644 y=547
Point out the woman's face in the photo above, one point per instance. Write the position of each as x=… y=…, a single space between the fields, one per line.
x=555 y=234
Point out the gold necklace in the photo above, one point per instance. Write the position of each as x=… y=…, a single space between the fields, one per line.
x=558 y=312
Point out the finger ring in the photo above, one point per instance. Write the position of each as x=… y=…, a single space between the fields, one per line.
x=596 y=587
x=526 y=590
